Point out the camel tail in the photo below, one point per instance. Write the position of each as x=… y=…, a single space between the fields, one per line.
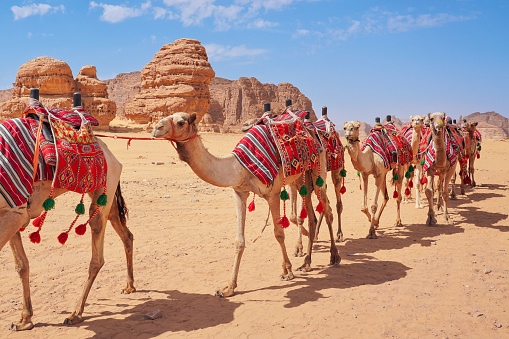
x=123 y=212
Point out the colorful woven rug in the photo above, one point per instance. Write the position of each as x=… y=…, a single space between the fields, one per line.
x=70 y=117
x=452 y=150
x=81 y=163
x=326 y=132
x=407 y=131
x=17 y=145
x=389 y=142
x=297 y=148
x=256 y=151
x=455 y=133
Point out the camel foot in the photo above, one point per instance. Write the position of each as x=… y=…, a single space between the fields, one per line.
x=419 y=206
x=398 y=223
x=447 y=221
x=225 y=292
x=73 y=319
x=288 y=276
x=306 y=267
x=431 y=220
x=128 y=289
x=340 y=237
x=376 y=223
x=462 y=191
x=453 y=197
x=21 y=326
x=299 y=251
x=473 y=184
x=372 y=235
x=335 y=259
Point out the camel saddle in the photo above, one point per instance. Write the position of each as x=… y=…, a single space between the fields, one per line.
x=389 y=144
x=326 y=132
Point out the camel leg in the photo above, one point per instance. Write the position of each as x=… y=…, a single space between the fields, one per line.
x=383 y=189
x=445 y=193
x=306 y=266
x=294 y=203
x=418 y=171
x=379 y=184
x=337 y=181
x=334 y=257
x=439 y=188
x=453 y=183
x=430 y=190
x=463 y=170
x=471 y=168
x=240 y=243
x=127 y=239
x=364 y=206
x=22 y=267
x=279 y=234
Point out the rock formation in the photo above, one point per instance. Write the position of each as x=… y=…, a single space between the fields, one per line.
x=123 y=88
x=491 y=124
x=177 y=79
x=56 y=87
x=235 y=101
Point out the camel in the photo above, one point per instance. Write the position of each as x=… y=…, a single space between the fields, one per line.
x=472 y=149
x=226 y=171
x=367 y=163
x=462 y=160
x=441 y=165
x=417 y=123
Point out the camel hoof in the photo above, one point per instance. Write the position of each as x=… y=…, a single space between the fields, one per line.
x=431 y=221
x=128 y=290
x=398 y=224
x=419 y=206
x=453 y=197
x=339 y=237
x=21 y=326
x=226 y=292
x=335 y=259
x=304 y=268
x=372 y=236
x=73 y=319
x=462 y=192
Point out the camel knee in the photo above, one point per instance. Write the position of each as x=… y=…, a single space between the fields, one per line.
x=374 y=207
x=239 y=246
x=22 y=268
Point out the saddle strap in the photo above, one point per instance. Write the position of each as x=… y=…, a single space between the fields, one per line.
x=36 y=151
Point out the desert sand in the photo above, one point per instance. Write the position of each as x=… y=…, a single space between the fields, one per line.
x=413 y=281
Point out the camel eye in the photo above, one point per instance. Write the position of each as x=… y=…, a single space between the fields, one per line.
x=181 y=123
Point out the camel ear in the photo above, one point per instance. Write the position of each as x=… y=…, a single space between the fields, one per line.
x=344 y=125
x=475 y=123
x=192 y=118
x=411 y=117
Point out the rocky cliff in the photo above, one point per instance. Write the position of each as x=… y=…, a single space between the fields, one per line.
x=56 y=87
x=491 y=124
x=123 y=88
x=177 y=79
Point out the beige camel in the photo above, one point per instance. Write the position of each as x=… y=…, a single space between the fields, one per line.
x=368 y=163
x=417 y=123
x=442 y=165
x=462 y=161
x=227 y=171
x=472 y=149
x=12 y=219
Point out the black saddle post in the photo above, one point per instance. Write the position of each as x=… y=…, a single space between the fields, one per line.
x=324 y=112
x=34 y=95
x=307 y=117
x=388 y=118
x=288 y=102
x=76 y=99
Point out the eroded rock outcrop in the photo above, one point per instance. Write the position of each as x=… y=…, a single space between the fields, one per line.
x=56 y=88
x=123 y=88
x=491 y=124
x=177 y=79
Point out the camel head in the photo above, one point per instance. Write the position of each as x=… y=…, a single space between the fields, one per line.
x=470 y=127
x=176 y=127
x=437 y=122
x=248 y=124
x=417 y=121
x=352 y=131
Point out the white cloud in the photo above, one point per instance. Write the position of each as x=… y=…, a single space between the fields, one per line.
x=118 y=13
x=34 y=9
x=217 y=52
x=402 y=23
x=193 y=12
x=260 y=23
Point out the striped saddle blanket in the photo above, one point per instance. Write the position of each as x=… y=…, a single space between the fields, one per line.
x=17 y=146
x=452 y=151
x=326 y=132
x=389 y=144
x=423 y=143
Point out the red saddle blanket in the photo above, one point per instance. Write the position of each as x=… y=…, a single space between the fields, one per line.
x=70 y=117
x=389 y=144
x=451 y=147
x=17 y=145
x=423 y=143
x=326 y=132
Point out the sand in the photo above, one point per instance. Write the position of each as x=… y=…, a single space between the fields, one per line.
x=413 y=281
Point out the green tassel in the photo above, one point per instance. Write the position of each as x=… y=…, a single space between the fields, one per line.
x=80 y=208
x=358 y=173
x=422 y=162
x=284 y=195
x=411 y=169
x=48 y=204
x=408 y=175
x=102 y=200
x=303 y=191
x=319 y=181
x=479 y=148
x=395 y=177
x=343 y=173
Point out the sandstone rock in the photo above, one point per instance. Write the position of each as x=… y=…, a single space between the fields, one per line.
x=235 y=101
x=123 y=88
x=177 y=79
x=56 y=88
x=491 y=124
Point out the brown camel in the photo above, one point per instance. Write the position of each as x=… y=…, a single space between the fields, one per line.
x=417 y=123
x=15 y=218
x=441 y=165
x=367 y=163
x=472 y=149
x=227 y=171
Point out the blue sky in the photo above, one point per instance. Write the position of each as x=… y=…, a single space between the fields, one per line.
x=360 y=58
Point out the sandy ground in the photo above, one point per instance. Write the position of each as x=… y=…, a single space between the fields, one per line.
x=412 y=282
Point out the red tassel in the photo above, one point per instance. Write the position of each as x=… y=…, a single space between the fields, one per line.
x=35 y=237
x=436 y=173
x=284 y=222
x=81 y=229
x=22 y=229
x=39 y=220
x=467 y=181
x=411 y=184
x=424 y=180
x=407 y=191
x=251 y=206
x=395 y=195
x=461 y=173
x=342 y=190
x=467 y=156
x=360 y=187
x=62 y=238
x=319 y=208
x=303 y=213
x=478 y=155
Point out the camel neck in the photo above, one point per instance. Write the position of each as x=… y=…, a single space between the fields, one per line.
x=358 y=157
x=440 y=152
x=416 y=140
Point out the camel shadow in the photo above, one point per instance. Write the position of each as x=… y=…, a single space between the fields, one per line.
x=180 y=312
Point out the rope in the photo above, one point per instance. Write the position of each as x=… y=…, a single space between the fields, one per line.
x=126 y=138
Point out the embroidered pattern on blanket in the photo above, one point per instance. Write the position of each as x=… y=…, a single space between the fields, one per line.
x=256 y=151
x=297 y=148
x=17 y=145
x=81 y=163
x=386 y=142
x=407 y=131
x=452 y=149
x=326 y=132
x=70 y=117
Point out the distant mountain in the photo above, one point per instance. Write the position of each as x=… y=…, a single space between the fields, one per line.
x=491 y=124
